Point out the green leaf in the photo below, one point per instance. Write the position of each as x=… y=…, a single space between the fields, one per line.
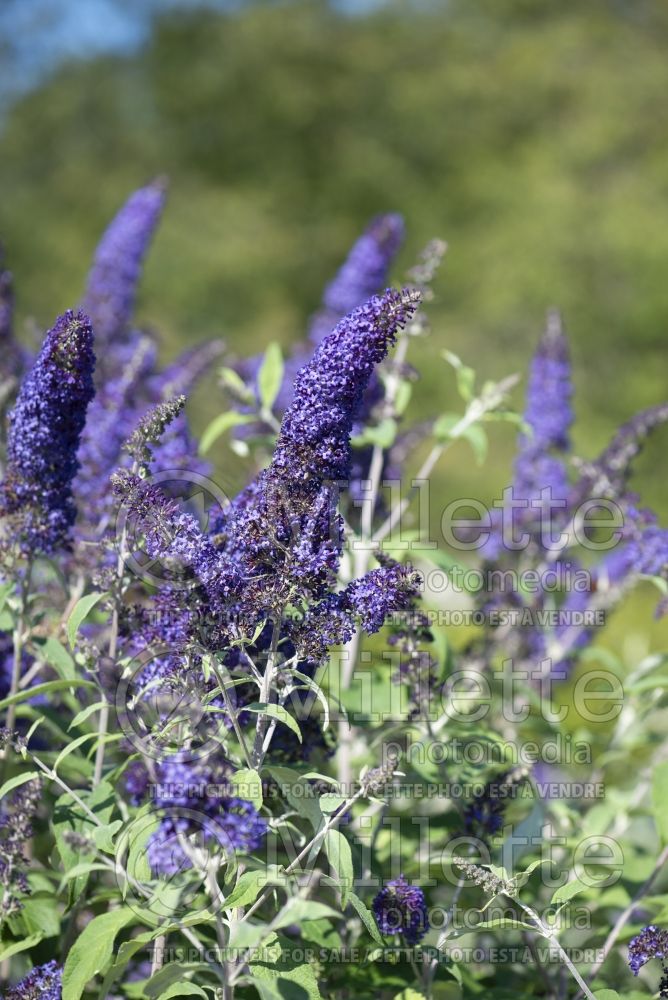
x=6 y=590
x=85 y=713
x=447 y=423
x=567 y=891
x=247 y=889
x=182 y=989
x=366 y=916
x=403 y=397
x=248 y=785
x=16 y=782
x=299 y=793
x=340 y=857
x=660 y=799
x=125 y=953
x=465 y=375
x=497 y=922
x=233 y=381
x=270 y=376
x=276 y=712
x=285 y=981
x=71 y=747
x=606 y=995
x=80 y=612
x=103 y=836
x=40 y=915
x=16 y=946
x=297 y=910
x=330 y=803
x=55 y=654
x=32 y=692
x=92 y=951
x=68 y=816
x=383 y=434
x=219 y=425
x=166 y=979
x=319 y=693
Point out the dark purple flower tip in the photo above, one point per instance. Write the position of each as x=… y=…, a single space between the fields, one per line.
x=652 y=942
x=314 y=442
x=44 y=432
x=42 y=983
x=400 y=908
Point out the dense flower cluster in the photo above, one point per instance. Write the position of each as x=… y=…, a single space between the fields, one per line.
x=400 y=908
x=484 y=812
x=44 y=432
x=209 y=641
x=416 y=668
x=16 y=816
x=652 y=942
x=198 y=811
x=42 y=983
x=546 y=506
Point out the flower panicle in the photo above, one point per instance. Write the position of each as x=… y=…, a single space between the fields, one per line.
x=490 y=883
x=45 y=429
x=15 y=833
x=112 y=282
x=363 y=274
x=548 y=415
x=651 y=942
x=401 y=908
x=44 y=982
x=150 y=429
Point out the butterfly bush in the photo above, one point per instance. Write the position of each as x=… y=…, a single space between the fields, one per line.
x=246 y=748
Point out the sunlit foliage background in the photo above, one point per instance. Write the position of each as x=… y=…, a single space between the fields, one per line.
x=528 y=133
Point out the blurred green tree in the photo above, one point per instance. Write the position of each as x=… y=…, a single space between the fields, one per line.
x=529 y=133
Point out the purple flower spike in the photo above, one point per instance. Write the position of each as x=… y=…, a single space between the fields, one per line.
x=289 y=539
x=362 y=275
x=112 y=282
x=650 y=943
x=549 y=415
x=42 y=983
x=400 y=908
x=314 y=443
x=44 y=432
x=14 y=358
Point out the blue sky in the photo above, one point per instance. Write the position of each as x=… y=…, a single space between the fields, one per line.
x=37 y=36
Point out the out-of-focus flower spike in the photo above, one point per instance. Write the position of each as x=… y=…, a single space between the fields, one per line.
x=14 y=358
x=362 y=275
x=112 y=282
x=44 y=431
x=607 y=475
x=548 y=413
x=182 y=375
x=112 y=416
x=6 y=305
